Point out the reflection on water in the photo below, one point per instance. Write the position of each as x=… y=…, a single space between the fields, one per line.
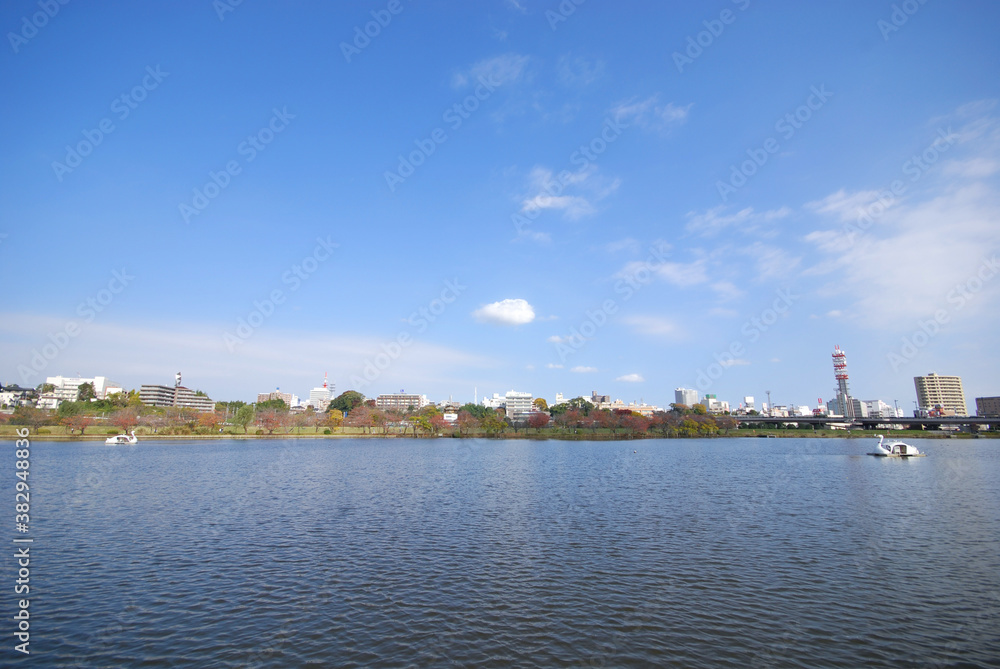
x=496 y=553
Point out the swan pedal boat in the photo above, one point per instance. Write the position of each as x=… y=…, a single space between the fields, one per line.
x=123 y=439
x=895 y=449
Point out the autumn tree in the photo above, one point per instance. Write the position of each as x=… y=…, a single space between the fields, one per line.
x=466 y=422
x=124 y=419
x=538 y=420
x=334 y=418
x=271 y=419
x=541 y=404
x=79 y=422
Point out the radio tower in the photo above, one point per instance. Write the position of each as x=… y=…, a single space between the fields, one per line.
x=844 y=402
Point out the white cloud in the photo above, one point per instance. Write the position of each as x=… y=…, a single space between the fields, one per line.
x=652 y=326
x=747 y=220
x=726 y=291
x=556 y=339
x=631 y=378
x=152 y=353
x=626 y=244
x=650 y=114
x=683 y=274
x=548 y=191
x=553 y=365
x=578 y=71
x=735 y=362
x=505 y=312
x=498 y=71
x=583 y=370
x=847 y=206
x=903 y=267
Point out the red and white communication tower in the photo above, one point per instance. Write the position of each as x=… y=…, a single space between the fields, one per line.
x=840 y=373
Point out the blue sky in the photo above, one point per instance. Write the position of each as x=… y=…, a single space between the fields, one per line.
x=628 y=197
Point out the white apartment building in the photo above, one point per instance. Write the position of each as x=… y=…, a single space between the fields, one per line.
x=516 y=402
x=401 y=401
x=943 y=391
x=685 y=396
x=67 y=387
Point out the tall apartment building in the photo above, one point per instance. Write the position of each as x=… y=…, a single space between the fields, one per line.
x=988 y=407
x=516 y=402
x=66 y=388
x=943 y=391
x=685 y=396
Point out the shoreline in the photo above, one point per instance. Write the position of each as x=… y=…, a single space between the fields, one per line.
x=779 y=434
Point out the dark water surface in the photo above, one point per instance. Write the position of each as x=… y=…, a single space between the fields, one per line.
x=687 y=553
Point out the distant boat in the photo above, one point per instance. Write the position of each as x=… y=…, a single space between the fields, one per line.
x=122 y=439
x=895 y=449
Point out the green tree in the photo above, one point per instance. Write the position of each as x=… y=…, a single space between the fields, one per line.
x=347 y=401
x=46 y=388
x=276 y=404
x=85 y=392
x=244 y=416
x=492 y=424
x=478 y=411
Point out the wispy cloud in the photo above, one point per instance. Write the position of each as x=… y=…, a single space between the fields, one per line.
x=631 y=378
x=745 y=220
x=652 y=326
x=500 y=70
x=573 y=193
x=580 y=369
x=649 y=114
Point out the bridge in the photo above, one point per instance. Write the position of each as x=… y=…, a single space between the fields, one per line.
x=868 y=423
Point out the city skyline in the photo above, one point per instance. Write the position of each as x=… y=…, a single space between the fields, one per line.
x=504 y=196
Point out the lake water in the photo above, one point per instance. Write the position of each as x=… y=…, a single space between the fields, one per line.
x=413 y=553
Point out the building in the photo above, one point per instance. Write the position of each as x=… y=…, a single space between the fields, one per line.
x=988 y=407
x=941 y=391
x=598 y=400
x=67 y=388
x=496 y=402
x=879 y=409
x=177 y=396
x=319 y=398
x=748 y=404
x=401 y=401
x=289 y=399
x=685 y=396
x=714 y=405
x=515 y=402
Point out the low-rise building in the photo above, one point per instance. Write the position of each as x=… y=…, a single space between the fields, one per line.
x=401 y=401
x=988 y=407
x=176 y=396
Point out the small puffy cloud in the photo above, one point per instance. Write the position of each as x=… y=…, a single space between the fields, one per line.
x=505 y=312
x=631 y=378
x=736 y=362
x=553 y=365
x=556 y=339
x=580 y=369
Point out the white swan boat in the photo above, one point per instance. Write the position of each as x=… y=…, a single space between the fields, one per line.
x=895 y=449
x=122 y=439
